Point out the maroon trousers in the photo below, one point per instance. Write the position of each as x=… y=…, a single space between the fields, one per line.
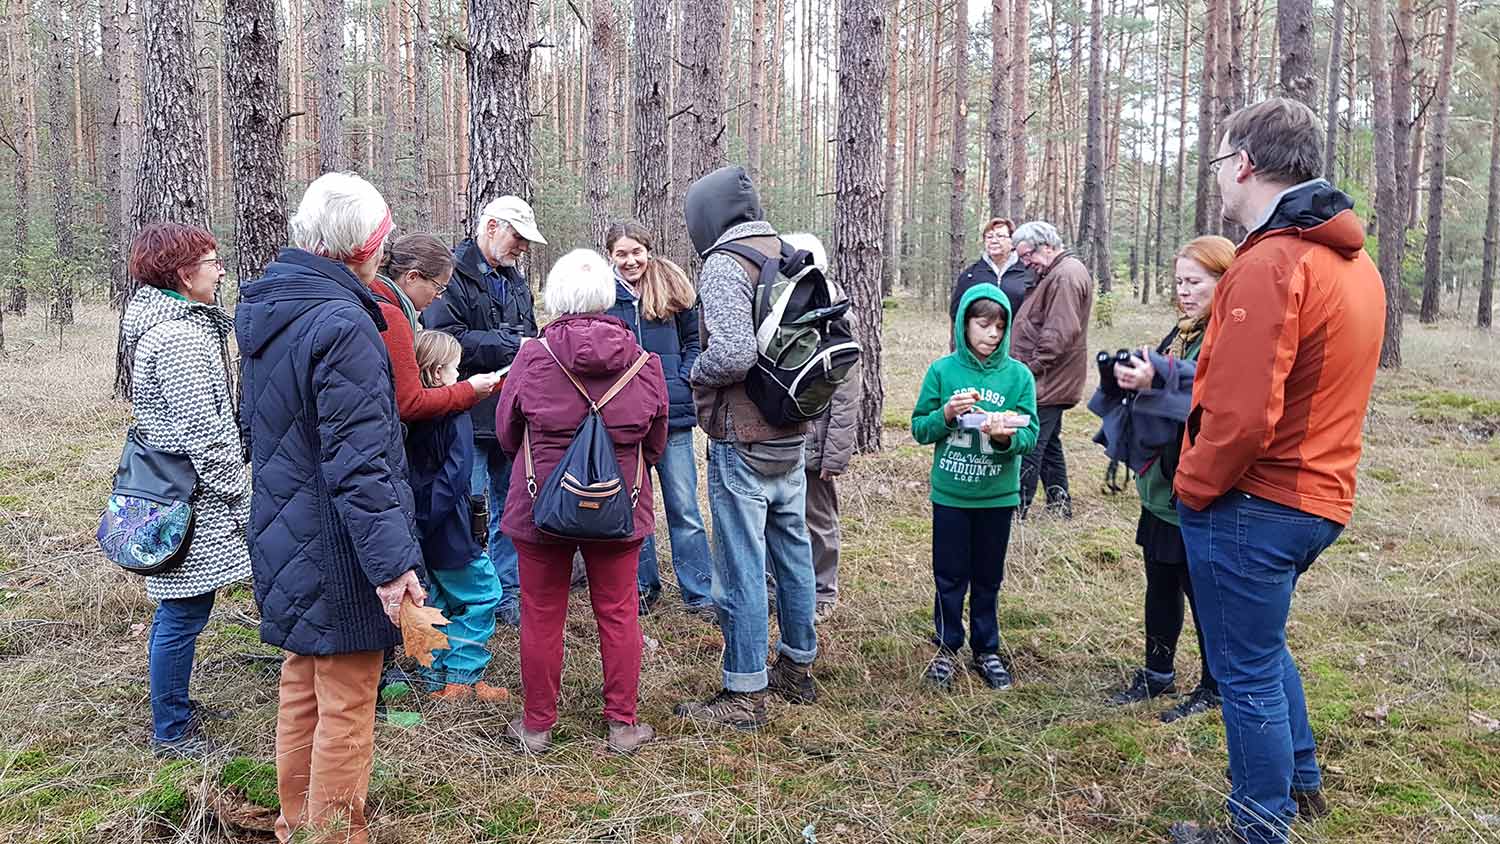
x=546 y=574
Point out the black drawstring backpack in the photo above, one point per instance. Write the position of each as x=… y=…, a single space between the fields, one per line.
x=585 y=497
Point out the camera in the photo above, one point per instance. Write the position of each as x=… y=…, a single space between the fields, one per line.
x=1106 y=363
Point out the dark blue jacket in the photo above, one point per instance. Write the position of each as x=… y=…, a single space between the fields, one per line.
x=489 y=310
x=675 y=340
x=440 y=455
x=331 y=514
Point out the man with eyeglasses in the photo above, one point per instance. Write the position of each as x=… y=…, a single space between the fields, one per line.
x=1266 y=478
x=488 y=307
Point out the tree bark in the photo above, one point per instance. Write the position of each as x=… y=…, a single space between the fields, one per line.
x=1335 y=75
x=421 y=168
x=331 y=152
x=1182 y=98
x=698 y=124
x=1401 y=47
x=24 y=90
x=257 y=133
x=596 y=120
x=648 y=170
x=61 y=143
x=888 y=199
x=499 y=108
x=390 y=37
x=1388 y=211
x=1205 y=212
x=1020 y=68
x=1000 y=104
x=173 y=160
x=757 y=96
x=114 y=214
x=958 y=162
x=1092 y=239
x=1492 y=211
x=1294 y=24
x=857 y=227
x=1432 y=278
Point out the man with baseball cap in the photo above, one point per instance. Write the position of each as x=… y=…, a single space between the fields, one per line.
x=487 y=305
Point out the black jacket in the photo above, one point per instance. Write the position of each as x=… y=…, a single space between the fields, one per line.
x=1015 y=282
x=488 y=326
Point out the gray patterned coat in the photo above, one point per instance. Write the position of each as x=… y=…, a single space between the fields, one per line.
x=180 y=395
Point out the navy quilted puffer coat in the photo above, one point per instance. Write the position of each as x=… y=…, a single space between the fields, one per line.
x=331 y=514
x=675 y=340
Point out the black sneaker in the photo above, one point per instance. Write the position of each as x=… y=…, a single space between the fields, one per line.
x=739 y=710
x=509 y=613
x=1197 y=833
x=1198 y=701
x=1142 y=687
x=1059 y=503
x=941 y=670
x=992 y=671
x=793 y=681
x=195 y=745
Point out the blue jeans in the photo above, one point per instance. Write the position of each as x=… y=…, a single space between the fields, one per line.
x=677 y=476
x=759 y=519
x=1245 y=555
x=467 y=597
x=174 y=639
x=492 y=478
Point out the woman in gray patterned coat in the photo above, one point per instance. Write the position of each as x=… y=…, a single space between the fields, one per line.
x=176 y=339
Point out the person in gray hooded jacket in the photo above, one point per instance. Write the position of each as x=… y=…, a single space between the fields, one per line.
x=756 y=486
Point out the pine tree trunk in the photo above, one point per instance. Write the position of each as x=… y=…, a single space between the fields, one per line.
x=1000 y=116
x=596 y=123
x=61 y=143
x=958 y=161
x=499 y=109
x=1206 y=213
x=888 y=199
x=1387 y=198
x=1335 y=74
x=1492 y=211
x=1401 y=47
x=1182 y=97
x=1294 y=23
x=1227 y=97
x=331 y=151
x=857 y=227
x=1432 y=279
x=1020 y=68
x=698 y=125
x=24 y=90
x=648 y=172
x=757 y=128
x=390 y=36
x=114 y=214
x=1092 y=245
x=421 y=168
x=257 y=133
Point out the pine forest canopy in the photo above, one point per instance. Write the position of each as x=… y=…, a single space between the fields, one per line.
x=1098 y=116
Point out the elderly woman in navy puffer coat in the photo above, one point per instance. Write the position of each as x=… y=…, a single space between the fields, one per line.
x=332 y=525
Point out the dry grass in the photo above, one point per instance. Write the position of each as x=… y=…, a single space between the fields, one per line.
x=1397 y=629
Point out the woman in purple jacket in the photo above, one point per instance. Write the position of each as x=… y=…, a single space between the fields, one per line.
x=538 y=398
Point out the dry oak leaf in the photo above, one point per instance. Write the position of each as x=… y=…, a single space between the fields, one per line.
x=419 y=633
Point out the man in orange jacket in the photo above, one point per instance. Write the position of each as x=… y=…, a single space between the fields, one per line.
x=1266 y=478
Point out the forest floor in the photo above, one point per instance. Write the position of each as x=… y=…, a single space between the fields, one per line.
x=1397 y=630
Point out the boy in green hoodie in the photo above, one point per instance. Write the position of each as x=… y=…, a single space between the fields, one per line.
x=978 y=405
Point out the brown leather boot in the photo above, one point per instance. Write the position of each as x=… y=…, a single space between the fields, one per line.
x=627 y=738
x=529 y=741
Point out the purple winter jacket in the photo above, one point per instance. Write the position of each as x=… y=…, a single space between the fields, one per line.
x=597 y=349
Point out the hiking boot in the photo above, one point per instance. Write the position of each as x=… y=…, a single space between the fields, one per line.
x=195 y=746
x=649 y=599
x=1198 y=701
x=1311 y=804
x=703 y=612
x=740 y=710
x=509 y=613
x=201 y=713
x=822 y=612
x=992 y=671
x=1059 y=503
x=452 y=693
x=485 y=693
x=1142 y=687
x=1195 y=833
x=529 y=741
x=941 y=670
x=792 y=680
x=627 y=738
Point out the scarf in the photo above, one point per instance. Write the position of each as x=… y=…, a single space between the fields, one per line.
x=1189 y=331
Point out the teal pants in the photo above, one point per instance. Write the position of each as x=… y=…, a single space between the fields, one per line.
x=467 y=597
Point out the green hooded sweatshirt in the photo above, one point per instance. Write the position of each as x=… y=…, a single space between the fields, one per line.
x=968 y=470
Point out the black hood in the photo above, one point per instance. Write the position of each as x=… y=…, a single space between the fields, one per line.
x=295 y=283
x=717 y=203
x=1307 y=206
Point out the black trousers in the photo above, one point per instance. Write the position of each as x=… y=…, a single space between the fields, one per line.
x=968 y=559
x=1166 y=585
x=1046 y=461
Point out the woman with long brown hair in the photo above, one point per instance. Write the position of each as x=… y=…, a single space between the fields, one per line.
x=659 y=304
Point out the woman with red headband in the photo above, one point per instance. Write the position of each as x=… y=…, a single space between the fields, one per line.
x=331 y=516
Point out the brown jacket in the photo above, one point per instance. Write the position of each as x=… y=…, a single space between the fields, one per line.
x=1051 y=335
x=1287 y=365
x=830 y=443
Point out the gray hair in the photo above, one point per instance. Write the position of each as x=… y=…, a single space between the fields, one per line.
x=581 y=282
x=337 y=214
x=484 y=220
x=1037 y=233
x=1283 y=138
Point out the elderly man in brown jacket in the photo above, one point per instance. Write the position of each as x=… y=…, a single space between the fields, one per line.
x=1051 y=336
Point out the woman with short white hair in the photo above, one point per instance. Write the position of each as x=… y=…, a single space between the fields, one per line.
x=581 y=357
x=331 y=514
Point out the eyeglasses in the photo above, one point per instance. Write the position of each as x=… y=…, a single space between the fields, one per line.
x=440 y=289
x=1216 y=163
x=217 y=262
x=1021 y=256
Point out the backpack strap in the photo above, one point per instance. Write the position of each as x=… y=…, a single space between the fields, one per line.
x=770 y=267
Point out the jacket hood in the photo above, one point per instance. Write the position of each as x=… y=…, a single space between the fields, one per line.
x=961 y=343
x=295 y=283
x=1319 y=212
x=718 y=202
x=150 y=307
x=469 y=260
x=592 y=344
x=623 y=294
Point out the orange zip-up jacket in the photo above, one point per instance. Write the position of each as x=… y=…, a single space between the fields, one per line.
x=1288 y=362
